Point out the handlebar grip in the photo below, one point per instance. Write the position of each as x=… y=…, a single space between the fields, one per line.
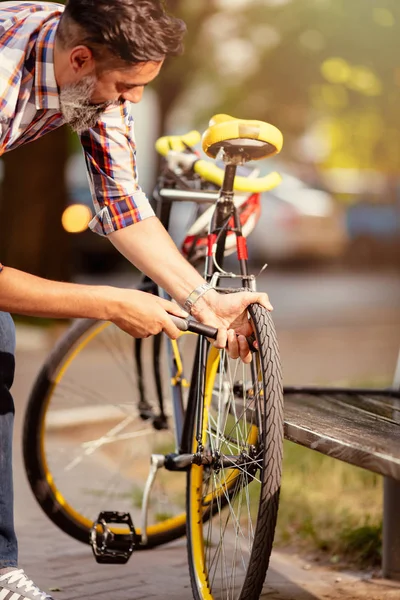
x=178 y=143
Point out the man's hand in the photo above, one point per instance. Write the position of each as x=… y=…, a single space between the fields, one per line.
x=228 y=313
x=142 y=314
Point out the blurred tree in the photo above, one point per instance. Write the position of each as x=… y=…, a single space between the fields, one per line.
x=178 y=74
x=330 y=66
x=33 y=196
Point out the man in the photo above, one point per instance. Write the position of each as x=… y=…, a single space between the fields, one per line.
x=84 y=66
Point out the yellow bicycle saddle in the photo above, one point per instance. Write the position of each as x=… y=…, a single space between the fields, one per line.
x=251 y=140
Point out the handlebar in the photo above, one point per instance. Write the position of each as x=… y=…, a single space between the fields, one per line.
x=210 y=171
x=213 y=173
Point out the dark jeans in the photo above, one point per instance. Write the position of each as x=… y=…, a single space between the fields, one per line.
x=8 y=540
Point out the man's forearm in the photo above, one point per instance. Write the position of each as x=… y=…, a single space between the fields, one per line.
x=26 y=294
x=150 y=248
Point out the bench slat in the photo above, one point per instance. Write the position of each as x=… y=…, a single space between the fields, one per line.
x=356 y=426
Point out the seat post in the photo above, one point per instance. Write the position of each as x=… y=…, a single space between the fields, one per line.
x=223 y=211
x=229 y=180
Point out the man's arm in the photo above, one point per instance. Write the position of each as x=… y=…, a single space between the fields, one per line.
x=150 y=248
x=137 y=313
x=110 y=154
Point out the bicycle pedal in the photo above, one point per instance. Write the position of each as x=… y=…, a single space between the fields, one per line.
x=108 y=546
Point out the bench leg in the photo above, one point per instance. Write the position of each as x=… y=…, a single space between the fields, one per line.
x=391 y=514
x=391 y=529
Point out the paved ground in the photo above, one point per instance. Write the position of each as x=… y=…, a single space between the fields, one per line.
x=353 y=344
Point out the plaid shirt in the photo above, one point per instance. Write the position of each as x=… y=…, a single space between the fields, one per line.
x=30 y=107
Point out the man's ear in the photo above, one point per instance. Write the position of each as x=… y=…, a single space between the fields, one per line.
x=81 y=60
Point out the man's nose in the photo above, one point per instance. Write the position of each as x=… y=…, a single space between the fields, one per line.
x=134 y=95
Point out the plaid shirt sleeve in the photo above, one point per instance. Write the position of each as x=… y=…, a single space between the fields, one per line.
x=110 y=154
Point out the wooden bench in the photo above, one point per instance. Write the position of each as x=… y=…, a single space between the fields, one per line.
x=356 y=426
x=361 y=427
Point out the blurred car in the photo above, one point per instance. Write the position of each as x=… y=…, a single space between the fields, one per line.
x=90 y=252
x=298 y=223
x=374 y=232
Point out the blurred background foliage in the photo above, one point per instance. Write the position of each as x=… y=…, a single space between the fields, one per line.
x=322 y=69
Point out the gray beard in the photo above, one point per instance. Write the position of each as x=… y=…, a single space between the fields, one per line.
x=76 y=108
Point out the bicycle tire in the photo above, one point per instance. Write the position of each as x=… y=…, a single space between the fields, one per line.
x=204 y=548
x=42 y=480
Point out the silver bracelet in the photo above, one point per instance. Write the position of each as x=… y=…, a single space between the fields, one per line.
x=195 y=295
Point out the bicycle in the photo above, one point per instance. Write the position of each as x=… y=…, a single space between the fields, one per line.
x=84 y=447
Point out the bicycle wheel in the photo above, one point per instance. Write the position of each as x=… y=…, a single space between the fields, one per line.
x=87 y=443
x=243 y=427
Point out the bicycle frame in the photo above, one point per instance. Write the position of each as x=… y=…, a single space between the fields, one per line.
x=225 y=218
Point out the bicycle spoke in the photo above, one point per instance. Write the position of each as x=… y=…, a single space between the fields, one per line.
x=92 y=446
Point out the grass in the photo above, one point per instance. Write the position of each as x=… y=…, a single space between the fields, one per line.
x=331 y=507
x=327 y=508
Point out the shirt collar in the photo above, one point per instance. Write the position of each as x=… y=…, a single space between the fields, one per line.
x=46 y=90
